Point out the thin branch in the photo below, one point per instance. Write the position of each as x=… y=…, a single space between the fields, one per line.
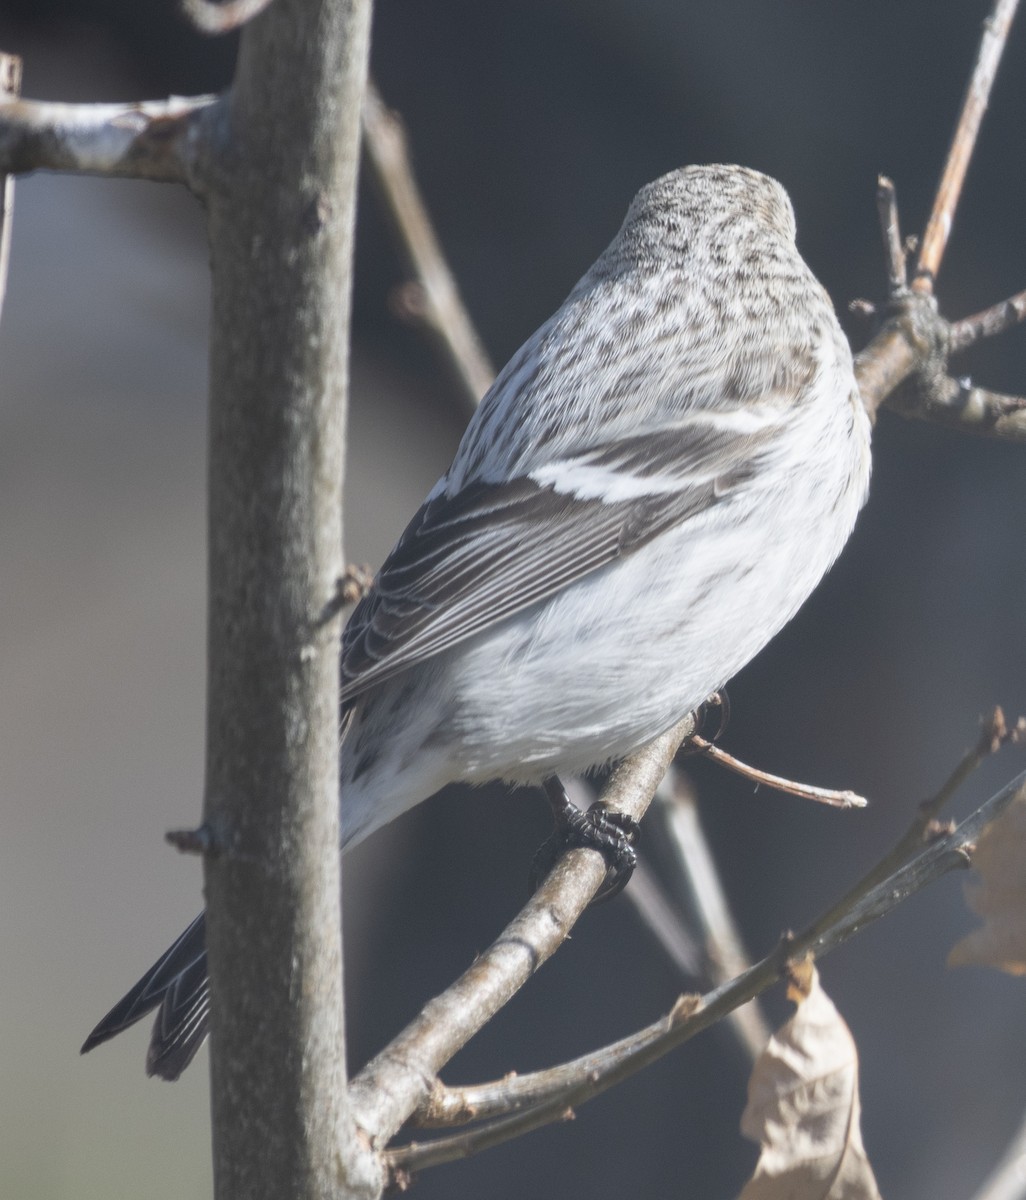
x=832 y=797
x=711 y=952
x=10 y=86
x=957 y=403
x=661 y=917
x=546 y=1096
x=210 y=17
x=890 y=227
x=994 y=734
x=991 y=321
x=974 y=105
x=162 y=140
x=906 y=367
x=724 y=949
x=648 y=898
x=433 y=300
x=400 y=1078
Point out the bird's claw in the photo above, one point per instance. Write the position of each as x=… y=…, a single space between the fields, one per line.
x=613 y=834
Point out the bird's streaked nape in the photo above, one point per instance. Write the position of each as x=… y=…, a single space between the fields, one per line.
x=650 y=490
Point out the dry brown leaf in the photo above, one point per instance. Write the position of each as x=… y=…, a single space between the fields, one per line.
x=803 y=1109
x=998 y=896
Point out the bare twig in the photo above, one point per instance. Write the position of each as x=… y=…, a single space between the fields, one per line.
x=915 y=342
x=991 y=321
x=887 y=206
x=957 y=403
x=539 y=1098
x=724 y=949
x=10 y=86
x=434 y=299
x=356 y=582
x=154 y=139
x=399 y=1079
x=912 y=349
x=201 y=840
x=974 y=105
x=829 y=796
x=208 y=16
x=994 y=733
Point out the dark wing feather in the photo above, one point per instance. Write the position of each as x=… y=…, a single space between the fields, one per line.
x=468 y=561
x=178 y=983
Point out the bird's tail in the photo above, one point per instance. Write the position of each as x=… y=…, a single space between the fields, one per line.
x=178 y=983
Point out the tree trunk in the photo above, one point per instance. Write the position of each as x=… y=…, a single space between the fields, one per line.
x=281 y=207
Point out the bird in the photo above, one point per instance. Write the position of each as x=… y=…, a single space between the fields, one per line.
x=652 y=487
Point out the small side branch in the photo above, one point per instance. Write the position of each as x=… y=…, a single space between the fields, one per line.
x=156 y=139
x=957 y=403
x=832 y=797
x=906 y=364
x=989 y=323
x=890 y=227
x=974 y=105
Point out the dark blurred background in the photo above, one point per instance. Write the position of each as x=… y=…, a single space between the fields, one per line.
x=532 y=125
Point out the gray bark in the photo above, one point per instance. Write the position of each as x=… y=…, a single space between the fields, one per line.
x=281 y=197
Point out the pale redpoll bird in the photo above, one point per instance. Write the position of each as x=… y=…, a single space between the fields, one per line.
x=652 y=487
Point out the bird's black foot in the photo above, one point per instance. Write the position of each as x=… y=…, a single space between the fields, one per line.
x=613 y=834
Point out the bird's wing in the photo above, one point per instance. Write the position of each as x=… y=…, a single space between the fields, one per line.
x=473 y=559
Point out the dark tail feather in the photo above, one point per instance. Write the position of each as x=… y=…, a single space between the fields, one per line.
x=178 y=983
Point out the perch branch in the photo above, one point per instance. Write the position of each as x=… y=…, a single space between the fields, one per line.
x=399 y=1079
x=974 y=105
x=698 y=936
x=545 y=1096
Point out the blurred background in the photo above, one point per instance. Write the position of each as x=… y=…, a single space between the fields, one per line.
x=532 y=125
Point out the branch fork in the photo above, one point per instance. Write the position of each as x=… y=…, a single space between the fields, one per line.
x=907 y=363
